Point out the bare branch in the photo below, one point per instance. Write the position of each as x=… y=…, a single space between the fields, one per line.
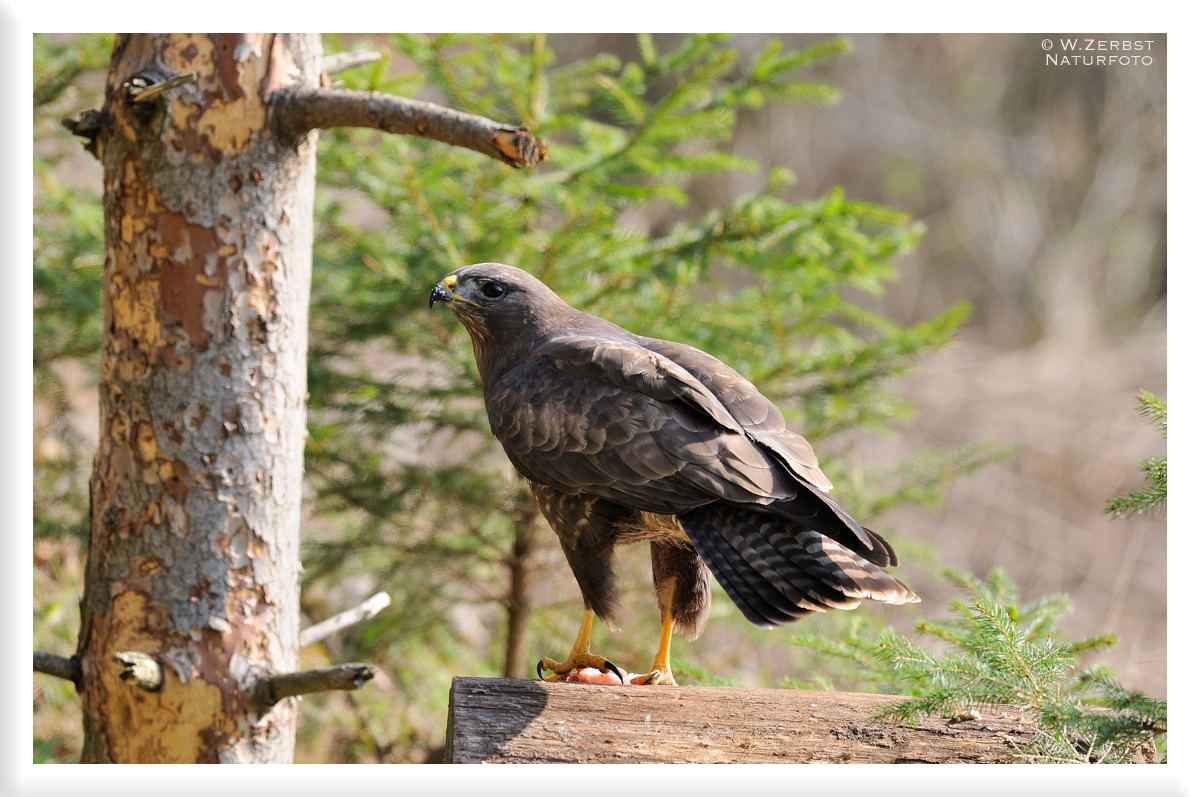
x=297 y=110
x=364 y=611
x=140 y=668
x=59 y=667
x=343 y=676
x=340 y=62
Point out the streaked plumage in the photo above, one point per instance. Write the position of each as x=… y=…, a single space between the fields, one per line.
x=626 y=438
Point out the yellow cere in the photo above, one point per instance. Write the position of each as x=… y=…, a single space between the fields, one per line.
x=450 y=282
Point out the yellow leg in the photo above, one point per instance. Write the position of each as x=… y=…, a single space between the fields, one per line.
x=662 y=659
x=580 y=655
x=583 y=640
x=660 y=670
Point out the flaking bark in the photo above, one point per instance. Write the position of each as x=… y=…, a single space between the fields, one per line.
x=191 y=598
x=194 y=551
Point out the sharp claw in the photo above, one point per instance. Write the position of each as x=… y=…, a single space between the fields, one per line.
x=617 y=671
x=539 y=671
x=651 y=678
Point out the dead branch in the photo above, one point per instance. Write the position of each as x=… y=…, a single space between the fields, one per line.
x=140 y=668
x=305 y=682
x=339 y=62
x=297 y=110
x=59 y=667
x=363 y=611
x=87 y=125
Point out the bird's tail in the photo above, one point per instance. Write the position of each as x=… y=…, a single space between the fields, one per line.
x=776 y=572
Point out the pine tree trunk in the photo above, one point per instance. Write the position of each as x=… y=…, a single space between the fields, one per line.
x=520 y=599
x=194 y=550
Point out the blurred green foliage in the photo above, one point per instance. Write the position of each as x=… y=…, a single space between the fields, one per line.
x=68 y=272
x=1000 y=651
x=407 y=490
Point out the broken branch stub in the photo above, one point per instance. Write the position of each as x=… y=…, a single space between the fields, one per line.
x=58 y=666
x=87 y=125
x=144 y=93
x=344 y=677
x=142 y=669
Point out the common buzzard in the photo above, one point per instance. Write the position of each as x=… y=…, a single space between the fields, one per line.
x=625 y=438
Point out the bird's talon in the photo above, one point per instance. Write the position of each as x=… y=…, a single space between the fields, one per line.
x=557 y=672
x=572 y=669
x=655 y=677
x=649 y=679
x=617 y=671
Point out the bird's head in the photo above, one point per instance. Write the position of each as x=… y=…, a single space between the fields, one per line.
x=496 y=302
x=507 y=312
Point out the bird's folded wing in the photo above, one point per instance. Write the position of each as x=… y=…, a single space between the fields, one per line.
x=607 y=416
x=587 y=414
x=760 y=418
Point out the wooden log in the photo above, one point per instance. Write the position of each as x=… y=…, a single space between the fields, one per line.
x=506 y=720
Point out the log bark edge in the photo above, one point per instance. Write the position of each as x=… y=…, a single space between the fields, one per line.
x=504 y=720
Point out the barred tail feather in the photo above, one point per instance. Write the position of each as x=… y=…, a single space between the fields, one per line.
x=776 y=573
x=738 y=580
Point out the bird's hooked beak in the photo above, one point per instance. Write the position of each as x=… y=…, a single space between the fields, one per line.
x=443 y=291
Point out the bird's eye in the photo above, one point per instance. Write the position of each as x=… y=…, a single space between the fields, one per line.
x=492 y=290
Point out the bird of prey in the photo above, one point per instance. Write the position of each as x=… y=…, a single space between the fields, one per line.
x=625 y=438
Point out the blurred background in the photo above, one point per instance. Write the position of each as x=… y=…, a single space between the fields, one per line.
x=1035 y=193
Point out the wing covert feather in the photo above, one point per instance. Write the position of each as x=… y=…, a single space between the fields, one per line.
x=760 y=418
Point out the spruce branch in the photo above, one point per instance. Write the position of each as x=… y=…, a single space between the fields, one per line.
x=1154 y=496
x=1000 y=651
x=1153 y=409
